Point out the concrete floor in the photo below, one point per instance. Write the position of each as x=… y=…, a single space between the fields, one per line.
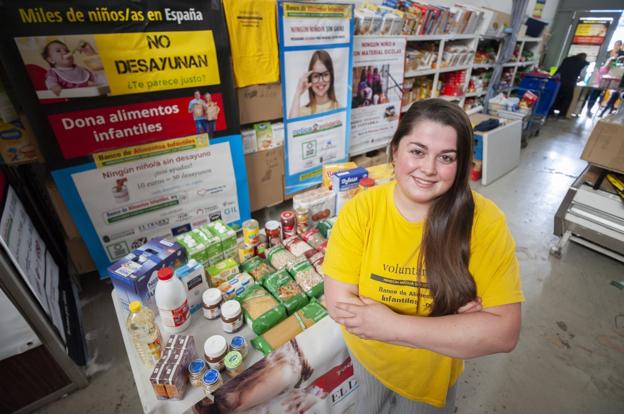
x=570 y=358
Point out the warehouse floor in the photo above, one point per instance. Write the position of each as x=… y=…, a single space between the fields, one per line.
x=570 y=358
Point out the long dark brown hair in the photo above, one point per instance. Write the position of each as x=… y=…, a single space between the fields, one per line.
x=445 y=249
x=326 y=60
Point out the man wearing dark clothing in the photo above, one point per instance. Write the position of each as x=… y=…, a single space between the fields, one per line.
x=568 y=72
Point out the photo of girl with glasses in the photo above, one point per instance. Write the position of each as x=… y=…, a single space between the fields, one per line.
x=319 y=82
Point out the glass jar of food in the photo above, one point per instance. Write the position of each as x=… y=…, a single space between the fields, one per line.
x=211 y=381
x=215 y=350
x=212 y=299
x=239 y=343
x=234 y=363
x=231 y=316
x=197 y=368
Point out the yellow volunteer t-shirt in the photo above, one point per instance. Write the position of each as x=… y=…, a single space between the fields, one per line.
x=252 y=26
x=374 y=246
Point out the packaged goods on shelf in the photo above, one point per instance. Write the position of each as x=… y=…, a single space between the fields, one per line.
x=325 y=226
x=315 y=239
x=258 y=268
x=421 y=56
x=249 y=140
x=307 y=278
x=236 y=285
x=298 y=247
x=321 y=203
x=204 y=248
x=456 y=55
x=193 y=276
x=226 y=235
x=279 y=257
x=289 y=328
x=262 y=136
x=286 y=290
x=345 y=185
x=222 y=271
x=452 y=83
x=331 y=169
x=262 y=311
x=416 y=89
x=134 y=276
x=169 y=376
x=371 y=19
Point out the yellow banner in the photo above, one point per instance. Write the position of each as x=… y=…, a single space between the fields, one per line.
x=104 y=159
x=591 y=29
x=157 y=61
x=298 y=10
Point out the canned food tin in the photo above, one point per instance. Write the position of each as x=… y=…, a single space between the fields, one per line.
x=245 y=252
x=251 y=232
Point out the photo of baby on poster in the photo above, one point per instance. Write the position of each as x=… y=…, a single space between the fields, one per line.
x=63 y=66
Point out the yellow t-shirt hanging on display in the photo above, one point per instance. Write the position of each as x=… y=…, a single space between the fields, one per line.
x=373 y=246
x=252 y=27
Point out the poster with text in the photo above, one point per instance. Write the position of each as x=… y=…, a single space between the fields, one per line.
x=100 y=76
x=378 y=66
x=131 y=195
x=311 y=374
x=316 y=56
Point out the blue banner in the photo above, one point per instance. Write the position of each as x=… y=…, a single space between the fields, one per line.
x=124 y=201
x=316 y=57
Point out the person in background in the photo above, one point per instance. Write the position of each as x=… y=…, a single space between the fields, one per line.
x=211 y=112
x=569 y=72
x=421 y=272
x=612 y=55
x=319 y=82
x=196 y=107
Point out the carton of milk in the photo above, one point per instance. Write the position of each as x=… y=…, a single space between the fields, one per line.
x=193 y=276
x=345 y=185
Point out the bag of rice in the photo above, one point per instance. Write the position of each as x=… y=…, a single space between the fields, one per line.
x=279 y=257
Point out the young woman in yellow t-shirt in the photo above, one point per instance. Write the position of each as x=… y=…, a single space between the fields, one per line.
x=421 y=272
x=318 y=81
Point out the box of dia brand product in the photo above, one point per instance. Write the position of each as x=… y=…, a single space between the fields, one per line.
x=134 y=276
x=345 y=185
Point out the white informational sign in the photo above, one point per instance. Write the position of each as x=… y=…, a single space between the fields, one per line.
x=316 y=24
x=316 y=55
x=314 y=142
x=30 y=256
x=378 y=68
x=132 y=202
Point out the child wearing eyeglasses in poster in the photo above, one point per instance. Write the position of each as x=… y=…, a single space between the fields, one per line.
x=318 y=81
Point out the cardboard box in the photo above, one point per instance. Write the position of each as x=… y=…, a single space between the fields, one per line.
x=605 y=146
x=265 y=175
x=79 y=256
x=260 y=103
x=71 y=231
x=135 y=275
x=346 y=185
x=497 y=22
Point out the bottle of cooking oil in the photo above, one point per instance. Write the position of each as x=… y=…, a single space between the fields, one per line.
x=144 y=333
